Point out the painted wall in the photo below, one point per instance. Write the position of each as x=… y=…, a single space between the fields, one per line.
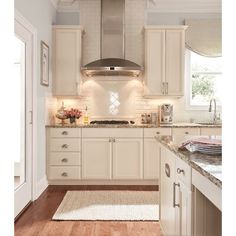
x=41 y=14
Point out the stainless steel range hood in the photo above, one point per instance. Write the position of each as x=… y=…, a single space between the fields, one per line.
x=112 y=49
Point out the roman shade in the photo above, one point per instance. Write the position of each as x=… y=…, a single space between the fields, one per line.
x=203 y=36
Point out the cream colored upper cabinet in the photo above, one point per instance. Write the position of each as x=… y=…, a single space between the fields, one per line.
x=67 y=42
x=164 y=61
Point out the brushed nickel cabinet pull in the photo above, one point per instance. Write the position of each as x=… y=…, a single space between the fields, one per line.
x=157 y=132
x=64 y=133
x=186 y=132
x=174 y=196
x=179 y=171
x=64 y=160
x=114 y=140
x=167 y=170
x=64 y=174
x=167 y=88
x=64 y=145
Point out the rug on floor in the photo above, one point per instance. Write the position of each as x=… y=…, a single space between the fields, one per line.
x=109 y=205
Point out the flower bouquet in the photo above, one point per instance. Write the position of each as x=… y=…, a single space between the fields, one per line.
x=73 y=114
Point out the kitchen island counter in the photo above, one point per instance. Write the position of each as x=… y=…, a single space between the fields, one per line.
x=207 y=165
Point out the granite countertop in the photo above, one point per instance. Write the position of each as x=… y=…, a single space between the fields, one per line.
x=174 y=125
x=207 y=165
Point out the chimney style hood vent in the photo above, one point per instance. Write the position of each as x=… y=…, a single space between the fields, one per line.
x=112 y=49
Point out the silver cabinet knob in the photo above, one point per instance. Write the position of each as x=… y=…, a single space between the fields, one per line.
x=64 y=160
x=157 y=132
x=179 y=171
x=64 y=174
x=64 y=145
x=64 y=133
x=186 y=132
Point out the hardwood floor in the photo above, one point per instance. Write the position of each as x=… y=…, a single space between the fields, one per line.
x=36 y=220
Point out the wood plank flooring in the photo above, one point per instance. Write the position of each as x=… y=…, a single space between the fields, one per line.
x=36 y=220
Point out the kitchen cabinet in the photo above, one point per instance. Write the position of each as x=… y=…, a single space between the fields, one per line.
x=64 y=154
x=167 y=211
x=164 y=61
x=176 y=195
x=151 y=158
x=211 y=131
x=67 y=41
x=127 y=158
x=112 y=153
x=96 y=158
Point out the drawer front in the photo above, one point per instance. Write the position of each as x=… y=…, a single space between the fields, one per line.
x=112 y=132
x=185 y=131
x=211 y=131
x=65 y=132
x=65 y=145
x=65 y=158
x=64 y=172
x=152 y=132
x=183 y=172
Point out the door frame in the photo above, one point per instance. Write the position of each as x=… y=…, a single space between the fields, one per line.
x=26 y=24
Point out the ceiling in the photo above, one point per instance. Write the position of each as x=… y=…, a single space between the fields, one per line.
x=201 y=6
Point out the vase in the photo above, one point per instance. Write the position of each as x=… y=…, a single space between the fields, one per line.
x=72 y=120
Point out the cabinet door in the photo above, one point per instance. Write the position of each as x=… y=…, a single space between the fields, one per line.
x=151 y=159
x=184 y=215
x=127 y=158
x=154 y=62
x=96 y=158
x=211 y=131
x=67 y=60
x=167 y=211
x=174 y=69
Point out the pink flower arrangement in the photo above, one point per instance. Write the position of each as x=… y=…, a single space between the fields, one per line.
x=73 y=113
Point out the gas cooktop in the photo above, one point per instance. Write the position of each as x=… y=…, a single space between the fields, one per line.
x=112 y=122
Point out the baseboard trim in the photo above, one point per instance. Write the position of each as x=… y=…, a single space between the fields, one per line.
x=103 y=182
x=41 y=186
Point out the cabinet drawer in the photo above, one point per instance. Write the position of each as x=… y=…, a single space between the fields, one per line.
x=65 y=132
x=152 y=132
x=185 y=131
x=112 y=132
x=64 y=172
x=183 y=172
x=64 y=158
x=65 y=144
x=211 y=131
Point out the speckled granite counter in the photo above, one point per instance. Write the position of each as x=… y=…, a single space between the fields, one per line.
x=209 y=166
x=175 y=125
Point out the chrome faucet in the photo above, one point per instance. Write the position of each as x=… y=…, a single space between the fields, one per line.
x=210 y=109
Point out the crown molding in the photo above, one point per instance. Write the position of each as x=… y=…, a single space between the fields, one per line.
x=184 y=6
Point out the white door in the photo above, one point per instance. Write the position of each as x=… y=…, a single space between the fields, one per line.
x=175 y=46
x=23 y=111
x=184 y=219
x=96 y=158
x=167 y=210
x=151 y=159
x=127 y=158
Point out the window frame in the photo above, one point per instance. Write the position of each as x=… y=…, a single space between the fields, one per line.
x=188 y=86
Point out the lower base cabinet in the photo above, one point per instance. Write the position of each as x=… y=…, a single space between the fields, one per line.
x=127 y=158
x=151 y=159
x=96 y=158
x=176 y=196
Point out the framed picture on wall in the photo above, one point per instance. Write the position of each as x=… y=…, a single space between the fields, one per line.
x=44 y=64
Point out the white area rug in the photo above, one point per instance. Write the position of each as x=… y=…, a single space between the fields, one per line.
x=109 y=205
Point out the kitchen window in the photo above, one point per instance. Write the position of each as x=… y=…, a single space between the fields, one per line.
x=203 y=80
